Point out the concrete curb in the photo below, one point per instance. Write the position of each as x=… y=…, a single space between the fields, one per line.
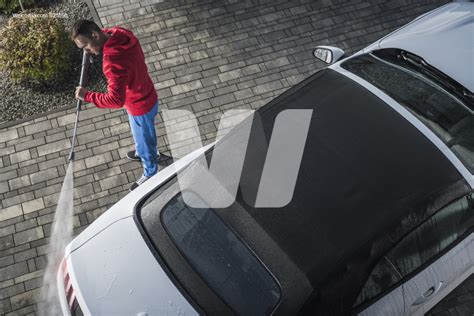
x=33 y=117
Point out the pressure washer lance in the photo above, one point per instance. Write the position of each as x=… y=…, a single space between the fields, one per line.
x=86 y=61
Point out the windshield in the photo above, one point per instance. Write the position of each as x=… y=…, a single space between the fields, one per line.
x=425 y=96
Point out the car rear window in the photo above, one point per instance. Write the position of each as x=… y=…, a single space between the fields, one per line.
x=220 y=257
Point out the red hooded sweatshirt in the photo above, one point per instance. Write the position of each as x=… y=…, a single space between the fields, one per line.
x=128 y=82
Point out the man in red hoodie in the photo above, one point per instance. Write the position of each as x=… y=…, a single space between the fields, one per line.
x=128 y=86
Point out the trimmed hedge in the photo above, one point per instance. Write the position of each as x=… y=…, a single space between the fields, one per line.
x=35 y=47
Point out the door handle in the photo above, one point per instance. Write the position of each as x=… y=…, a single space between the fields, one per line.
x=428 y=294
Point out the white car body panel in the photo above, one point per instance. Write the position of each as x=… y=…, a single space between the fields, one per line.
x=122 y=264
x=116 y=245
x=391 y=304
x=453 y=26
x=444 y=274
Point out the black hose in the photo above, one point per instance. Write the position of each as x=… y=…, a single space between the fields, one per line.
x=86 y=61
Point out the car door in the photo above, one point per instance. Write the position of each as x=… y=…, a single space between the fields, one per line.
x=436 y=256
x=460 y=300
x=430 y=286
x=424 y=266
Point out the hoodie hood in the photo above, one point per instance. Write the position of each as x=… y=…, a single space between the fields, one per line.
x=121 y=42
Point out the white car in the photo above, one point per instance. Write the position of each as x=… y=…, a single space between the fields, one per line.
x=382 y=216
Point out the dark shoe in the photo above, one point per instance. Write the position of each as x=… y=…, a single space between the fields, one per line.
x=138 y=182
x=132 y=155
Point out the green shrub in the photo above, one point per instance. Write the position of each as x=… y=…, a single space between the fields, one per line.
x=12 y=6
x=34 y=46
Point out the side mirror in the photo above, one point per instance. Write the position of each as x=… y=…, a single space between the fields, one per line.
x=328 y=54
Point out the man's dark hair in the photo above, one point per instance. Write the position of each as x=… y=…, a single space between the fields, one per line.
x=84 y=28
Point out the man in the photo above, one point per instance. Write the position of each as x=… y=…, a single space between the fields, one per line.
x=128 y=85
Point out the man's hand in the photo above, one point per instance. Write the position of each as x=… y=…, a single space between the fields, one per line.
x=80 y=93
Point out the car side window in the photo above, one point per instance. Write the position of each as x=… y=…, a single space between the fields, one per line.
x=381 y=278
x=440 y=231
x=433 y=236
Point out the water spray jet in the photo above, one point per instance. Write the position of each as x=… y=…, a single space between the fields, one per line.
x=62 y=228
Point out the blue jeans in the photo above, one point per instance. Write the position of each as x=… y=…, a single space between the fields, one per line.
x=143 y=131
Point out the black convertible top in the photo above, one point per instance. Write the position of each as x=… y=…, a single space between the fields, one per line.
x=364 y=169
x=367 y=178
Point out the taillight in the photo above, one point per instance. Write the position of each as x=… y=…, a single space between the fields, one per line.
x=69 y=291
x=70 y=296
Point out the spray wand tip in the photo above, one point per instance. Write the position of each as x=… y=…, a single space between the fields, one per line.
x=71 y=156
